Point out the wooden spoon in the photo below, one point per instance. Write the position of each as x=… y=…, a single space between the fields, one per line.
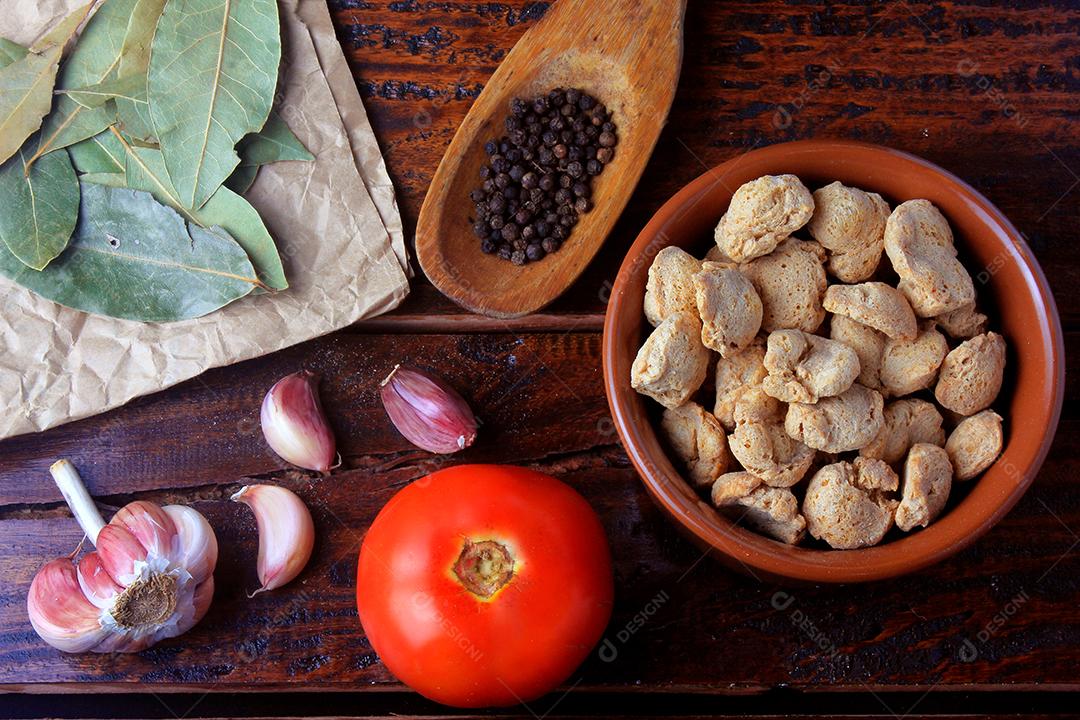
x=626 y=53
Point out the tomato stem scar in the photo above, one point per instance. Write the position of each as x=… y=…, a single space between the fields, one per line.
x=484 y=567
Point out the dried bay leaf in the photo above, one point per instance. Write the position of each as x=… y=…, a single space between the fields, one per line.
x=26 y=87
x=145 y=170
x=242 y=179
x=102 y=153
x=10 y=52
x=133 y=258
x=95 y=59
x=39 y=208
x=213 y=73
x=135 y=63
x=126 y=88
x=274 y=143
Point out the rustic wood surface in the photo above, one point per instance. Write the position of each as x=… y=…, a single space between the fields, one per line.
x=988 y=91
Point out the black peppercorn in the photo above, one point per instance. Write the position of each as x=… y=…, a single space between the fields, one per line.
x=537 y=179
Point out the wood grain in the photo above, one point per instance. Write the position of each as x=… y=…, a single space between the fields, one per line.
x=627 y=54
x=988 y=91
x=682 y=623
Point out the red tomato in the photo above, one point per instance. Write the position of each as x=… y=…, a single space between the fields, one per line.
x=484 y=585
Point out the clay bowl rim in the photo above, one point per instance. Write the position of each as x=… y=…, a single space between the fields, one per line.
x=992 y=495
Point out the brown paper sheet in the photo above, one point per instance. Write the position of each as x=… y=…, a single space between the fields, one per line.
x=58 y=364
x=369 y=160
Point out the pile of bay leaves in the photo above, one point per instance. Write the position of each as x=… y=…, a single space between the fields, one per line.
x=126 y=149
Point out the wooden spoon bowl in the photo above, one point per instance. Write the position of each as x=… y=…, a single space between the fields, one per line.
x=627 y=54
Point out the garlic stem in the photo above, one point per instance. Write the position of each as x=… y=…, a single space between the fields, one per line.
x=77 y=498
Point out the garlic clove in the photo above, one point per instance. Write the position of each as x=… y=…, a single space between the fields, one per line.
x=97 y=585
x=149 y=524
x=118 y=551
x=195 y=546
x=427 y=411
x=295 y=425
x=286 y=532
x=204 y=595
x=60 y=613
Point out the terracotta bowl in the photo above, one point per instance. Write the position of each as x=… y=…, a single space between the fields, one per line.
x=1012 y=290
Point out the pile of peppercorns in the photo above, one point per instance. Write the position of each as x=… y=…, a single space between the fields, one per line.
x=538 y=178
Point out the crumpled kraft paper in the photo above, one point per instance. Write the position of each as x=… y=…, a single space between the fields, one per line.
x=58 y=364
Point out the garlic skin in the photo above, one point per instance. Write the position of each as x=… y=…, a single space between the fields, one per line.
x=427 y=411
x=295 y=425
x=286 y=533
x=150 y=578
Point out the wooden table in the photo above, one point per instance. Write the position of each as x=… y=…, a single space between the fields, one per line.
x=987 y=92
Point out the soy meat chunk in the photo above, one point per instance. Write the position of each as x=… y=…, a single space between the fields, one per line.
x=729 y=307
x=927 y=482
x=971 y=374
x=672 y=363
x=963 y=323
x=907 y=422
x=670 y=288
x=769 y=510
x=762 y=446
x=790 y=283
x=761 y=215
x=735 y=376
x=698 y=440
x=850 y=224
x=716 y=255
x=910 y=366
x=848 y=505
x=876 y=304
x=804 y=367
x=975 y=444
x=837 y=424
x=919 y=244
x=868 y=344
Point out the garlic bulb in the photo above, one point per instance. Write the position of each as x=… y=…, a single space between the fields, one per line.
x=150 y=578
x=427 y=411
x=294 y=424
x=286 y=532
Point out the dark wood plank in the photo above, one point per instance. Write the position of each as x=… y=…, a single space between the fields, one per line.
x=988 y=91
x=682 y=622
